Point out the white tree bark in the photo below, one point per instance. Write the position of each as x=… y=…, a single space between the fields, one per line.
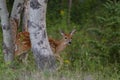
x=8 y=26
x=7 y=37
x=25 y=16
x=17 y=9
x=37 y=28
x=15 y=17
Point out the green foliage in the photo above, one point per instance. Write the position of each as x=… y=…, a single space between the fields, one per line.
x=9 y=4
x=95 y=48
x=83 y=10
x=53 y=8
x=110 y=30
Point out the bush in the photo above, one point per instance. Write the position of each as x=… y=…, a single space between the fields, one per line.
x=107 y=42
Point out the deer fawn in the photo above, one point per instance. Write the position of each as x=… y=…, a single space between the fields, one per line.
x=23 y=44
x=59 y=45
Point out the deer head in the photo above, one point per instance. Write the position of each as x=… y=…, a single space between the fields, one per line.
x=67 y=38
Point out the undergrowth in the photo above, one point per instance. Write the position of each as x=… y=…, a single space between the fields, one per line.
x=95 y=50
x=79 y=64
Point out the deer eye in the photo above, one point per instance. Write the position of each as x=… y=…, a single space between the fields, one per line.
x=65 y=37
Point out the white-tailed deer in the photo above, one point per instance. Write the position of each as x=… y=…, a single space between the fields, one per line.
x=23 y=44
x=59 y=45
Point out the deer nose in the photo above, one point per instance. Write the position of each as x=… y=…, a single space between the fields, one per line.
x=69 y=42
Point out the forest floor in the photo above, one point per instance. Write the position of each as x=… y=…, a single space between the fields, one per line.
x=24 y=74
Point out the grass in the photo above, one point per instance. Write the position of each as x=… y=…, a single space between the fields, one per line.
x=79 y=64
x=25 y=74
x=82 y=60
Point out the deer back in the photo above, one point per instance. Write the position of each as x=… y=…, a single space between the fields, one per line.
x=22 y=43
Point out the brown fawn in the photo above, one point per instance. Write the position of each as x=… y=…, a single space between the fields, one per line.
x=23 y=44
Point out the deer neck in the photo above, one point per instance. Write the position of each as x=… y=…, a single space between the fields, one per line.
x=61 y=46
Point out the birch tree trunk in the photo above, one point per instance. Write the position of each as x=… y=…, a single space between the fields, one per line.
x=7 y=37
x=9 y=27
x=25 y=16
x=15 y=17
x=37 y=28
x=17 y=10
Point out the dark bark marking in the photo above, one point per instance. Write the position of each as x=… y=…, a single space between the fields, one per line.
x=0 y=8
x=46 y=1
x=42 y=26
x=38 y=32
x=5 y=49
x=15 y=15
x=34 y=25
x=20 y=7
x=5 y=27
x=39 y=28
x=43 y=11
x=42 y=19
x=44 y=48
x=29 y=23
x=44 y=34
x=34 y=4
x=41 y=42
x=44 y=62
x=38 y=43
x=35 y=35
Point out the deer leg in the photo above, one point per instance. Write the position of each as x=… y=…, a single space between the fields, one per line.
x=60 y=60
x=24 y=57
x=24 y=60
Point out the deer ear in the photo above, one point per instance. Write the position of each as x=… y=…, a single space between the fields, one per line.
x=62 y=32
x=73 y=31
